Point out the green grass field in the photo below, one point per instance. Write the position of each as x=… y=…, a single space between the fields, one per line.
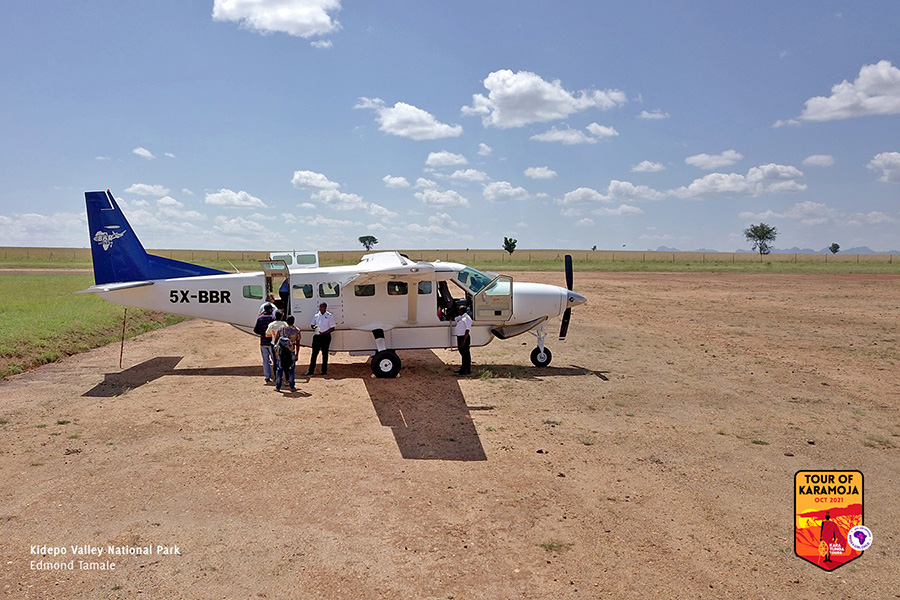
x=42 y=319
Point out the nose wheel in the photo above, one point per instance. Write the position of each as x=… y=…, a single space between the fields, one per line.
x=541 y=358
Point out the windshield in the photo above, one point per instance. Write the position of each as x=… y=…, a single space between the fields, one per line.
x=472 y=279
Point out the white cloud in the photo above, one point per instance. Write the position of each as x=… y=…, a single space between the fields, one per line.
x=313 y=180
x=618 y=191
x=320 y=221
x=518 y=99
x=708 y=162
x=406 y=120
x=484 y=150
x=582 y=195
x=540 y=173
x=225 y=197
x=422 y=183
x=889 y=164
x=143 y=153
x=445 y=159
x=569 y=136
x=819 y=160
x=170 y=208
x=340 y=200
x=469 y=175
x=240 y=227
x=646 y=166
x=586 y=222
x=808 y=213
x=395 y=182
x=144 y=189
x=769 y=178
x=321 y=44
x=56 y=230
x=300 y=18
x=449 y=198
x=653 y=115
x=876 y=91
x=502 y=191
x=622 y=211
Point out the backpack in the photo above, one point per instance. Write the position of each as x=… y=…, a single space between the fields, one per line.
x=284 y=340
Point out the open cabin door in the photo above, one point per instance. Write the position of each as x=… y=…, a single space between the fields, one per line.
x=493 y=304
x=278 y=283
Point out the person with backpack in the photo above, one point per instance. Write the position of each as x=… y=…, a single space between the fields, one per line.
x=287 y=345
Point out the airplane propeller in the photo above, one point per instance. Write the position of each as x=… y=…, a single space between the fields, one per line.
x=564 y=327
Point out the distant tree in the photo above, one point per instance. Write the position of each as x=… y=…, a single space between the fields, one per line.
x=835 y=248
x=761 y=236
x=509 y=244
x=368 y=241
x=594 y=247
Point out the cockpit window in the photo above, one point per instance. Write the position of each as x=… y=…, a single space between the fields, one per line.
x=472 y=279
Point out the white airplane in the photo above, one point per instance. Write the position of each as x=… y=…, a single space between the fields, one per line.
x=385 y=303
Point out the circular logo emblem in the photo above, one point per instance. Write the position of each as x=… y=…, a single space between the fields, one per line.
x=859 y=538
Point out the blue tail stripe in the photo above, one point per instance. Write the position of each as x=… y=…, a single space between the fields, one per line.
x=118 y=254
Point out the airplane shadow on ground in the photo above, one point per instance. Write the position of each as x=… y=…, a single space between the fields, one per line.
x=424 y=407
x=116 y=384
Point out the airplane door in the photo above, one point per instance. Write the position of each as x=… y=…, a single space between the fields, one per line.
x=493 y=304
x=276 y=271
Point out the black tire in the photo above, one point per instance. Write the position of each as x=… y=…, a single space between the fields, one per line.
x=386 y=365
x=541 y=359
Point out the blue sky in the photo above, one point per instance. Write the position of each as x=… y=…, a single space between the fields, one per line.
x=305 y=124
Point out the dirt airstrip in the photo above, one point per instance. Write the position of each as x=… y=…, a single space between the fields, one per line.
x=654 y=458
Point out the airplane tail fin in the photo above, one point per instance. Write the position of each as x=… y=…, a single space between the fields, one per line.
x=118 y=254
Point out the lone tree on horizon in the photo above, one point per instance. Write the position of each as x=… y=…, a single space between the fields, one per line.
x=761 y=236
x=835 y=248
x=509 y=244
x=368 y=241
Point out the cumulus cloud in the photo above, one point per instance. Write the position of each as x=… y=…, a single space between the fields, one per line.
x=240 y=227
x=586 y=222
x=242 y=199
x=30 y=229
x=469 y=175
x=875 y=91
x=769 y=178
x=442 y=199
x=484 y=150
x=540 y=173
x=406 y=120
x=819 y=160
x=299 y=18
x=502 y=191
x=709 y=162
x=653 y=115
x=807 y=213
x=143 y=153
x=889 y=165
x=171 y=208
x=522 y=98
x=593 y=133
x=445 y=159
x=395 y=182
x=646 y=166
x=313 y=180
x=617 y=191
x=144 y=189
x=621 y=211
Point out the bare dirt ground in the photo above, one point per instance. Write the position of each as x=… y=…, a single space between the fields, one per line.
x=654 y=458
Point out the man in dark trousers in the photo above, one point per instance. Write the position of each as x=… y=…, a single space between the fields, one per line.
x=461 y=327
x=323 y=324
x=265 y=342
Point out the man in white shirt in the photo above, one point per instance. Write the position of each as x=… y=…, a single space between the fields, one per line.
x=322 y=324
x=462 y=324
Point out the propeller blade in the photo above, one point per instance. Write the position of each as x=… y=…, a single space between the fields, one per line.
x=569 y=271
x=564 y=328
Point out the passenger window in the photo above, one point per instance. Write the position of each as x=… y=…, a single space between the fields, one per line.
x=253 y=291
x=329 y=290
x=364 y=290
x=424 y=288
x=287 y=258
x=397 y=288
x=304 y=290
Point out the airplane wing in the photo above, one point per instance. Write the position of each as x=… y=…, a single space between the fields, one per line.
x=389 y=266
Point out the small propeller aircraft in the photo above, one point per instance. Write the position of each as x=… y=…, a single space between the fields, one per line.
x=385 y=303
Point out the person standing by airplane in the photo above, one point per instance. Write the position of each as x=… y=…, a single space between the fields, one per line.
x=274 y=327
x=286 y=343
x=323 y=324
x=461 y=327
x=265 y=342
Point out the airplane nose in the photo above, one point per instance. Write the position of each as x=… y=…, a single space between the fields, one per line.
x=573 y=299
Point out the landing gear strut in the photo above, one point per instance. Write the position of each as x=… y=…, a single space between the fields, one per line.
x=540 y=356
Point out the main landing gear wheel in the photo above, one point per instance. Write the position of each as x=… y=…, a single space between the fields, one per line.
x=386 y=364
x=541 y=358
